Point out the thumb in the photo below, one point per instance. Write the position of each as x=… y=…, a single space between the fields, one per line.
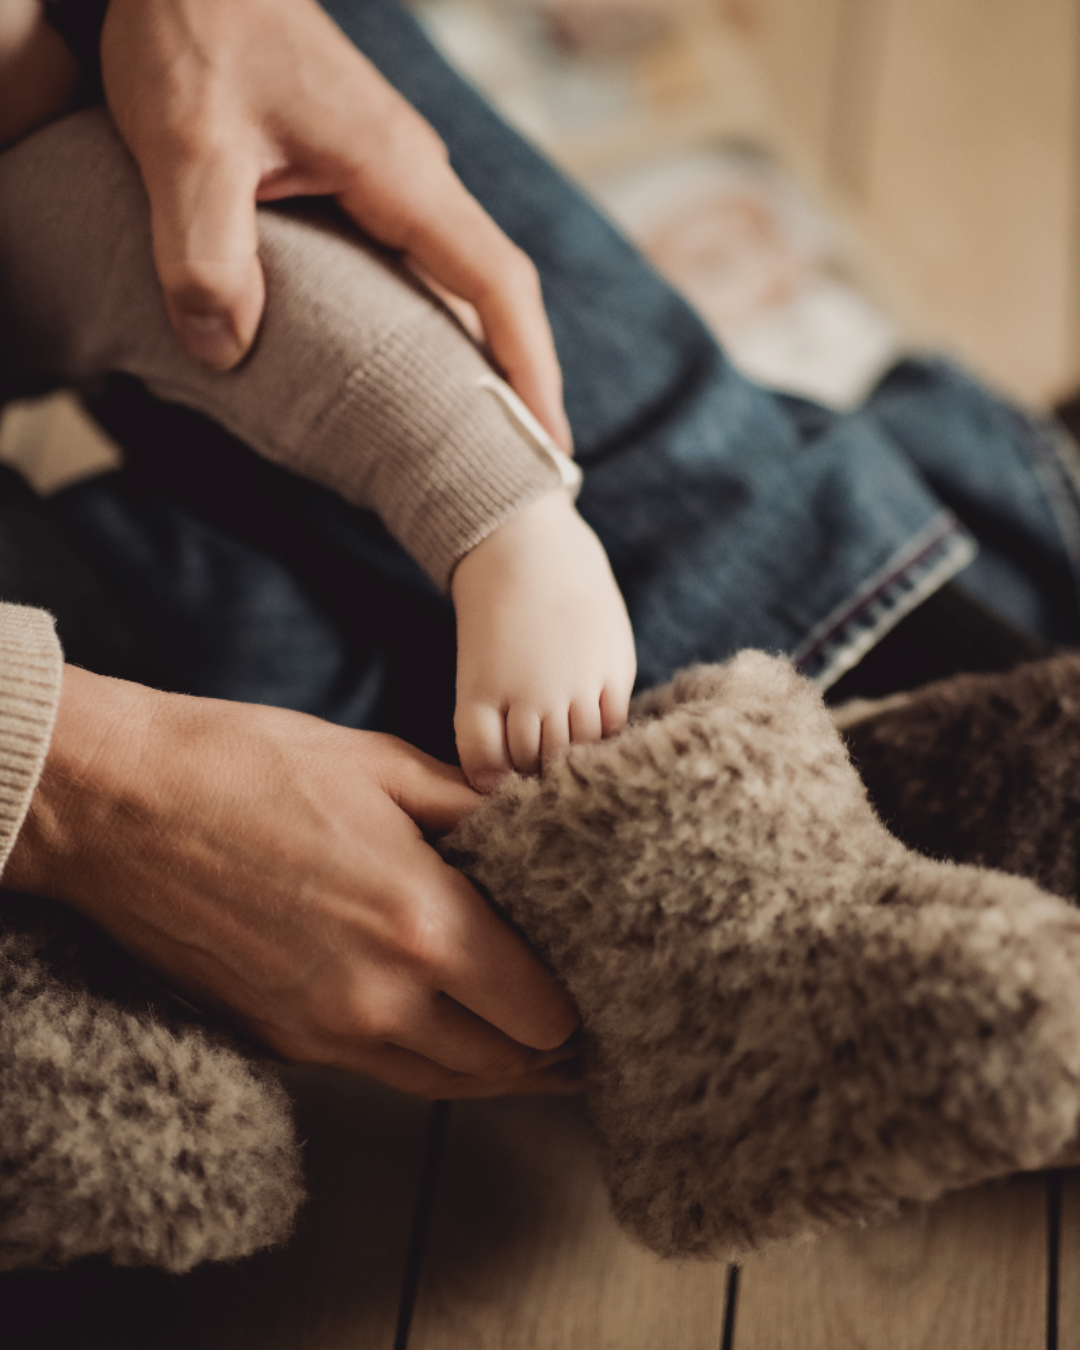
x=435 y=795
x=205 y=251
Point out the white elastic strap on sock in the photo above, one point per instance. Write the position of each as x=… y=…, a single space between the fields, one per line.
x=569 y=472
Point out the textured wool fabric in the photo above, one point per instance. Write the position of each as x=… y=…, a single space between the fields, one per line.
x=31 y=669
x=981 y=769
x=792 y=1021
x=358 y=380
x=127 y=1129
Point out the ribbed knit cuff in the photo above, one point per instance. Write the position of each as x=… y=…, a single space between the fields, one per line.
x=444 y=457
x=31 y=670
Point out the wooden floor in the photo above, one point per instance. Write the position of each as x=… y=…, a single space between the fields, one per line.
x=485 y=1226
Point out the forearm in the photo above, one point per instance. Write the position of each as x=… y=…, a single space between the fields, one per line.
x=358 y=380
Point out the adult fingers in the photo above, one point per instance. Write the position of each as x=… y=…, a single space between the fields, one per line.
x=452 y=941
x=202 y=202
x=446 y=231
x=433 y=794
x=561 y=1080
x=409 y=1072
x=489 y=970
x=452 y=1036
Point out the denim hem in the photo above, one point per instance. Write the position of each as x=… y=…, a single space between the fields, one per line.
x=1058 y=467
x=925 y=563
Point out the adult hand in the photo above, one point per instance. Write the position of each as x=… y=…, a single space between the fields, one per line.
x=271 y=865
x=223 y=105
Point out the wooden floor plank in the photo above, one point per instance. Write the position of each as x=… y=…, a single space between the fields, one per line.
x=524 y=1253
x=334 y=1287
x=1068 y=1311
x=968 y=1274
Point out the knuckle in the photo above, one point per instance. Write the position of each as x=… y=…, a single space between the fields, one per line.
x=192 y=131
x=197 y=285
x=521 y=273
x=367 y=1014
x=420 y=935
x=429 y=142
x=509 y=273
x=429 y=945
x=520 y=265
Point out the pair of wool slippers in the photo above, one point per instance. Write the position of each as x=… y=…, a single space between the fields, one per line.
x=791 y=1019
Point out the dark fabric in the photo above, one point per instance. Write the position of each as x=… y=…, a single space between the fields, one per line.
x=948 y=634
x=79 y=23
x=257 y=585
x=984 y=769
x=40 y=565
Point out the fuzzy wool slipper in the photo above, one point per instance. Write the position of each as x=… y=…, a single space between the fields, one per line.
x=981 y=769
x=791 y=1020
x=126 y=1129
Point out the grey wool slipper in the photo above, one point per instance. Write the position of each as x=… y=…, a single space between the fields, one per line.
x=981 y=768
x=791 y=1020
x=127 y=1128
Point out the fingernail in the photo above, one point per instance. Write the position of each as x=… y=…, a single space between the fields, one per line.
x=487 y=782
x=211 y=338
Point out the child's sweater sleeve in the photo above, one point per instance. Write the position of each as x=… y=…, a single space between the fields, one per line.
x=358 y=379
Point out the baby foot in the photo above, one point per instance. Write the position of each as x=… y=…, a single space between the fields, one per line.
x=792 y=1021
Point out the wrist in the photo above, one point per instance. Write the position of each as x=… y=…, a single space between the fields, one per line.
x=101 y=730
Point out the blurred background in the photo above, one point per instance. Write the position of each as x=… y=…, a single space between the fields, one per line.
x=922 y=151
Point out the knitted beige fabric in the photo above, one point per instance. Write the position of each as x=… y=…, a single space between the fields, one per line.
x=31 y=669
x=359 y=380
x=128 y=1129
x=791 y=1020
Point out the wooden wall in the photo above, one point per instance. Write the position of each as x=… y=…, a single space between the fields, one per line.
x=948 y=129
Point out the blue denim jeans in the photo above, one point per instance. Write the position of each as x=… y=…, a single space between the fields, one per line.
x=733 y=516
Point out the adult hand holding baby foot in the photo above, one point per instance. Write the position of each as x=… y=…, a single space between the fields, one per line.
x=226 y=105
x=545 y=649
x=272 y=866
